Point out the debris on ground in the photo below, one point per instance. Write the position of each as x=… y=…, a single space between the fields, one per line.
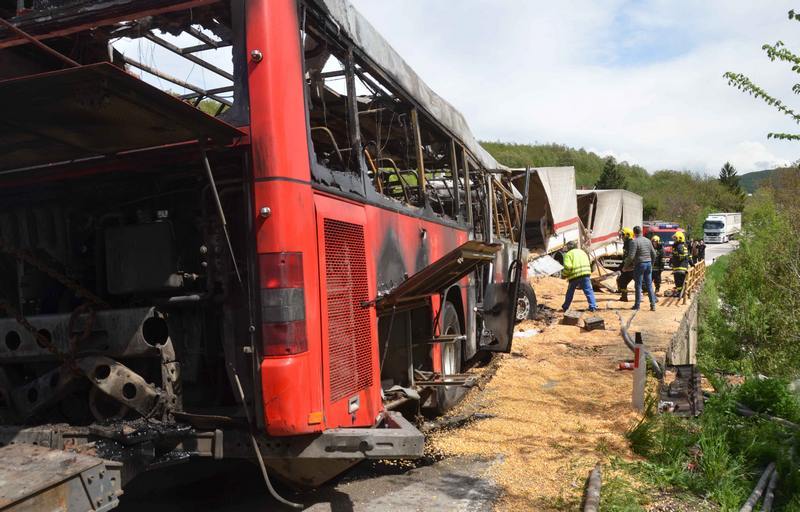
x=557 y=404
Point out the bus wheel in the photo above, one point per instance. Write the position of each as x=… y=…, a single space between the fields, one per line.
x=449 y=396
x=526 y=303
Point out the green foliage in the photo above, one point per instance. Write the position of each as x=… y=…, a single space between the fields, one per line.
x=777 y=51
x=761 y=290
x=720 y=454
x=212 y=107
x=611 y=178
x=751 y=181
x=770 y=396
x=729 y=177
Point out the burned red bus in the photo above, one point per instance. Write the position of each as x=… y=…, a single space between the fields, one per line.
x=257 y=260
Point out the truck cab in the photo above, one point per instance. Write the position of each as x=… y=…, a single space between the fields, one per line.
x=720 y=228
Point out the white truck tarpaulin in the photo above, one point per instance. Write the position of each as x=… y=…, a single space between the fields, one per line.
x=552 y=193
x=372 y=44
x=632 y=209
x=605 y=212
x=552 y=219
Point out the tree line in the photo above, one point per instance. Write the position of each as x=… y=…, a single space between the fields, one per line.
x=673 y=196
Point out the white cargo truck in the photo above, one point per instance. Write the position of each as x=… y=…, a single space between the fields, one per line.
x=720 y=228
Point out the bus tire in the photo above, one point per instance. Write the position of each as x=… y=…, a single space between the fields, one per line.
x=526 y=303
x=452 y=355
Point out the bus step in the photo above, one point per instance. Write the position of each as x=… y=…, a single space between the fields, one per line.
x=463 y=380
x=445 y=338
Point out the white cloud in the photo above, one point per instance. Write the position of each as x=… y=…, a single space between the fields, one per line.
x=642 y=80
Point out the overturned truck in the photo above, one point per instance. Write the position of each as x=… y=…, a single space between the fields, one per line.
x=263 y=266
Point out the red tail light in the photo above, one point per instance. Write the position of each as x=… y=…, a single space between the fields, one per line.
x=283 y=309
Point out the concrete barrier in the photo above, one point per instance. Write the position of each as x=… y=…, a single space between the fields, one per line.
x=683 y=346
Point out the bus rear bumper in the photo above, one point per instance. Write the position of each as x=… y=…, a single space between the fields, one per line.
x=393 y=438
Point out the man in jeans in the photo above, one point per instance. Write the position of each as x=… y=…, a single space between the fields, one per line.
x=641 y=257
x=577 y=270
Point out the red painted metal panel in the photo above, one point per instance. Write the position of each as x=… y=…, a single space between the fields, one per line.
x=348 y=322
x=277 y=104
x=291 y=385
x=350 y=332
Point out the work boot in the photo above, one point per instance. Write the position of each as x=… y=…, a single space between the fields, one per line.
x=635 y=308
x=624 y=296
x=652 y=307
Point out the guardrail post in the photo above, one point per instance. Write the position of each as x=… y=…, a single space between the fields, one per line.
x=639 y=373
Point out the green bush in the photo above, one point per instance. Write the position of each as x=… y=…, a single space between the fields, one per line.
x=720 y=455
x=749 y=308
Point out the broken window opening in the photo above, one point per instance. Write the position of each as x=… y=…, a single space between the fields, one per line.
x=190 y=57
x=326 y=71
x=506 y=207
x=188 y=53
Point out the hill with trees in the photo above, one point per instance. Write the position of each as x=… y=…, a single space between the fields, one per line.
x=751 y=181
x=676 y=196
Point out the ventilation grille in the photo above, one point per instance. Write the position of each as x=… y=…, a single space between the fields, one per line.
x=349 y=340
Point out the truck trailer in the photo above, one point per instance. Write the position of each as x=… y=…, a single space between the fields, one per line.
x=266 y=262
x=720 y=228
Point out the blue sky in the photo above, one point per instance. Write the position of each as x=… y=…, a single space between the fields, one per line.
x=639 y=80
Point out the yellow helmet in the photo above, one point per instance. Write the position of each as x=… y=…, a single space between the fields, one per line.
x=656 y=239
x=627 y=233
x=679 y=236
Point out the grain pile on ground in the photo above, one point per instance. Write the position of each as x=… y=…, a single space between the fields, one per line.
x=557 y=404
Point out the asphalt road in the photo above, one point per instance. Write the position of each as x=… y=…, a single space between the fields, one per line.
x=714 y=251
x=449 y=485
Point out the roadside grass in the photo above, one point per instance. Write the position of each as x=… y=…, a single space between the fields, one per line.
x=717 y=458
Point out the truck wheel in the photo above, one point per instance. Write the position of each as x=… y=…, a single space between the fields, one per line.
x=449 y=396
x=526 y=303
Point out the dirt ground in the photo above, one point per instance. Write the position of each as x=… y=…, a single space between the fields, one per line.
x=558 y=403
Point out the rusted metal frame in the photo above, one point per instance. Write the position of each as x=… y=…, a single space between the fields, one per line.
x=198 y=34
x=491 y=203
x=357 y=163
x=467 y=187
x=176 y=81
x=506 y=220
x=401 y=181
x=420 y=156
x=375 y=172
x=456 y=184
x=327 y=130
x=333 y=74
x=203 y=47
x=188 y=56
x=218 y=90
x=73 y=29
x=38 y=43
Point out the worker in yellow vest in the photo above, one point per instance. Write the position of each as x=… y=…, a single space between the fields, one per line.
x=577 y=269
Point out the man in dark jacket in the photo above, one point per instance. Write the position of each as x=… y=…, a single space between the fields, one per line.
x=658 y=263
x=641 y=259
x=626 y=273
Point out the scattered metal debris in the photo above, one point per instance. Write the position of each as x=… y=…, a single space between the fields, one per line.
x=682 y=395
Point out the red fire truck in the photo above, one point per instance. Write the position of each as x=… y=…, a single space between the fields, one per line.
x=665 y=231
x=265 y=282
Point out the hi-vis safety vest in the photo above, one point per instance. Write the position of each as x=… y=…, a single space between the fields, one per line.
x=576 y=264
x=680 y=257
